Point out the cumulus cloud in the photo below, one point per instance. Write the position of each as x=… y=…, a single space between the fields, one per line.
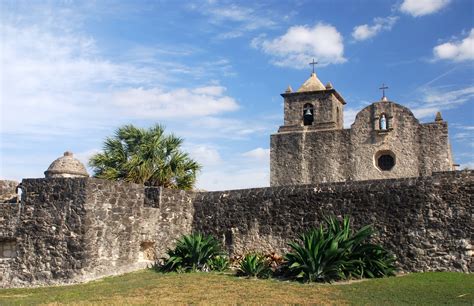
x=457 y=51
x=258 y=153
x=59 y=83
x=206 y=155
x=365 y=31
x=301 y=43
x=418 y=8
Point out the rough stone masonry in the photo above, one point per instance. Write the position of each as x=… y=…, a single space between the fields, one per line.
x=385 y=141
x=68 y=230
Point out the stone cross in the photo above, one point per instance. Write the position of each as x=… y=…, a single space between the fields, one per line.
x=383 y=89
x=314 y=64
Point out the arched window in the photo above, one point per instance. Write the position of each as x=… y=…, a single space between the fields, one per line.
x=308 y=114
x=383 y=122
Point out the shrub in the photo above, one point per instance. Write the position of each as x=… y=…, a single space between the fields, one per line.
x=219 y=263
x=192 y=253
x=254 y=265
x=334 y=252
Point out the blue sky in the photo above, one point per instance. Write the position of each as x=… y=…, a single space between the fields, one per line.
x=212 y=73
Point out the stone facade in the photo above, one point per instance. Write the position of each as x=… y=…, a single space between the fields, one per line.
x=320 y=150
x=69 y=230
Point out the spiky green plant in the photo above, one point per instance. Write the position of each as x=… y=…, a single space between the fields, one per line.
x=192 y=253
x=219 y=263
x=334 y=252
x=145 y=156
x=254 y=265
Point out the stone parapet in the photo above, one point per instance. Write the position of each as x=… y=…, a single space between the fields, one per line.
x=76 y=229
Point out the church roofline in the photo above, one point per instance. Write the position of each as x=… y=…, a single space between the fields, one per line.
x=301 y=93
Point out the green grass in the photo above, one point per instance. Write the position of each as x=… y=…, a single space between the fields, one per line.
x=148 y=287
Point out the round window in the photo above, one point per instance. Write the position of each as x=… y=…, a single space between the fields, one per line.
x=385 y=160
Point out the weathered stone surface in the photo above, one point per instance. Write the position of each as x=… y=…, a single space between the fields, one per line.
x=8 y=191
x=325 y=152
x=75 y=229
x=66 y=166
x=426 y=222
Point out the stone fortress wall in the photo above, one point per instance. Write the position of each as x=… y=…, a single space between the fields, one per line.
x=69 y=230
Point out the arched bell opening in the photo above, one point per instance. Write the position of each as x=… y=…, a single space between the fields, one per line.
x=308 y=114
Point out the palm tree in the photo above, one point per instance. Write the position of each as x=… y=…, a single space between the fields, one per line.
x=145 y=156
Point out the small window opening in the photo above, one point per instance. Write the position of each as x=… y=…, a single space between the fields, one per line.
x=308 y=114
x=147 y=250
x=337 y=114
x=383 y=123
x=385 y=160
x=7 y=248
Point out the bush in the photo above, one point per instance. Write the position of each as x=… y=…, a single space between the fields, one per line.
x=254 y=265
x=334 y=252
x=219 y=263
x=192 y=253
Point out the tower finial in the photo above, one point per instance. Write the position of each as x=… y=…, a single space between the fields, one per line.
x=384 y=98
x=313 y=63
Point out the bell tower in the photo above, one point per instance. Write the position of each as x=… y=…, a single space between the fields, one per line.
x=313 y=106
x=310 y=145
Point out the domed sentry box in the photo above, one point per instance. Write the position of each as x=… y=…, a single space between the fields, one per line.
x=66 y=166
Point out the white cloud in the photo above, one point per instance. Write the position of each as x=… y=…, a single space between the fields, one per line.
x=349 y=116
x=418 y=8
x=58 y=83
x=435 y=100
x=468 y=165
x=258 y=153
x=242 y=177
x=179 y=103
x=206 y=155
x=365 y=31
x=300 y=44
x=238 y=18
x=457 y=51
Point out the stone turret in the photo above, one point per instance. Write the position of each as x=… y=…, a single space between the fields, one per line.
x=66 y=166
x=313 y=106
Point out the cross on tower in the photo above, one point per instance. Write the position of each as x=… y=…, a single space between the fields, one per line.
x=313 y=63
x=383 y=89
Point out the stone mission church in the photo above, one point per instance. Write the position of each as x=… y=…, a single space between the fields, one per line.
x=385 y=140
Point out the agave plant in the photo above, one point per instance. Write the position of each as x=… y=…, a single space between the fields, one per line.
x=254 y=265
x=219 y=263
x=192 y=253
x=335 y=252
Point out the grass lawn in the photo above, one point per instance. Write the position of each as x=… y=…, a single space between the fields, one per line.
x=148 y=287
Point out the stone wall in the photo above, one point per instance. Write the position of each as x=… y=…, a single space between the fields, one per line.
x=426 y=222
x=8 y=191
x=72 y=230
x=304 y=157
x=309 y=156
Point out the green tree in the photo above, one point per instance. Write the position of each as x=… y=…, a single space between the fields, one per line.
x=145 y=156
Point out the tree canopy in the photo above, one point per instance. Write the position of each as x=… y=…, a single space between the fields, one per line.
x=145 y=156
